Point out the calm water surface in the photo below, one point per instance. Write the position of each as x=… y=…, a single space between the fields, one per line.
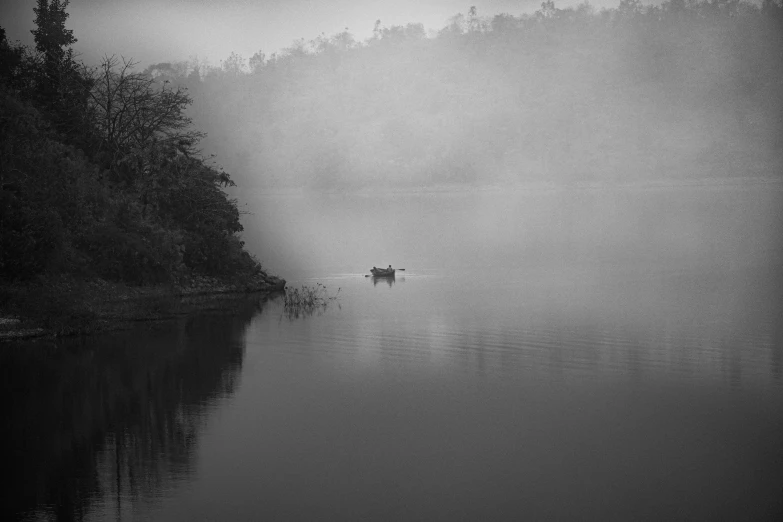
x=571 y=356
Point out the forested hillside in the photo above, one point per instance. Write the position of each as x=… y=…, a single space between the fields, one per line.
x=101 y=176
x=682 y=90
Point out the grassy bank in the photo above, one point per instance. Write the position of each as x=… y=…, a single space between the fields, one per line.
x=64 y=305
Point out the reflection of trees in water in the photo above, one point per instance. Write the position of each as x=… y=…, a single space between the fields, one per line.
x=747 y=355
x=717 y=326
x=112 y=416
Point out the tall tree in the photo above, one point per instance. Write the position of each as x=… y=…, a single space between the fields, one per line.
x=10 y=59
x=61 y=85
x=53 y=41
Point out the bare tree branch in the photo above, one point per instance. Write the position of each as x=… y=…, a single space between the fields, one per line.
x=130 y=110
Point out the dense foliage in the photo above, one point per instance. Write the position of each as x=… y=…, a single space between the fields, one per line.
x=688 y=89
x=100 y=172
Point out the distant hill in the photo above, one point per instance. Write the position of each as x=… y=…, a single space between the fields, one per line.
x=632 y=94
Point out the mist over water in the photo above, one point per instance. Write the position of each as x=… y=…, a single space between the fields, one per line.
x=585 y=211
x=685 y=267
x=602 y=354
x=579 y=233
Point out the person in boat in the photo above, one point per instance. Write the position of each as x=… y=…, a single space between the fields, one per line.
x=389 y=269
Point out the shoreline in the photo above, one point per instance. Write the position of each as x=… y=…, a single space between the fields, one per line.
x=541 y=186
x=50 y=309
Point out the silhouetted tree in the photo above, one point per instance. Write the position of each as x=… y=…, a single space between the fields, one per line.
x=51 y=37
x=10 y=60
x=53 y=41
x=129 y=110
x=61 y=87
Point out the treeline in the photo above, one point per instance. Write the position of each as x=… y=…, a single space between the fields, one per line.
x=101 y=175
x=685 y=89
x=89 y=406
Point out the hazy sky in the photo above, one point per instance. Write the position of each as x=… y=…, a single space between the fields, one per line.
x=153 y=31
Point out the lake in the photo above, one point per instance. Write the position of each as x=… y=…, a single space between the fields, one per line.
x=580 y=354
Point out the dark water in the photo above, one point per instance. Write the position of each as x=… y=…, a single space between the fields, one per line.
x=572 y=356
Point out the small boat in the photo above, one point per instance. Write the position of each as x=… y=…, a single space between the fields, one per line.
x=382 y=272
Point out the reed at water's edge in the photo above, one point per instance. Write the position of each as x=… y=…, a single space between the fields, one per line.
x=306 y=300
